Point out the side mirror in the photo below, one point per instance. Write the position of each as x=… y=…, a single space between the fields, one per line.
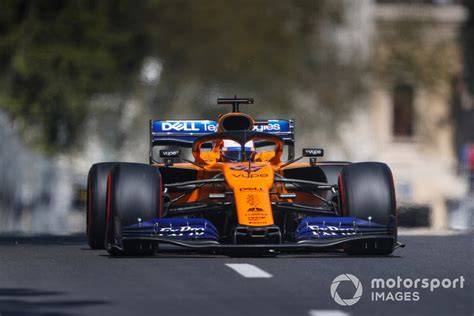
x=313 y=153
x=169 y=155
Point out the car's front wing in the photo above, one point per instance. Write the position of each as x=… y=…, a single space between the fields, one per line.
x=312 y=233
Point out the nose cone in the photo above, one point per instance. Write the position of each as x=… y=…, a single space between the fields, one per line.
x=251 y=186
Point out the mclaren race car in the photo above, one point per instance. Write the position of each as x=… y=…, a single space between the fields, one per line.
x=238 y=194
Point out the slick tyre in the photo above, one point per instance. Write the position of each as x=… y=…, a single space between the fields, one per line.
x=133 y=194
x=367 y=191
x=96 y=204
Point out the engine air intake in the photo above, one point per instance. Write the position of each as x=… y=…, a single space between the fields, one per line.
x=236 y=122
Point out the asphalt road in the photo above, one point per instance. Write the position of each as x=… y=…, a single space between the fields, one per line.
x=63 y=277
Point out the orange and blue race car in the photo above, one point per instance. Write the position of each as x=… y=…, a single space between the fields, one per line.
x=233 y=192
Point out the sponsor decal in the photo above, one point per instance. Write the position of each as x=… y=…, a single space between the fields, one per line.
x=186 y=126
x=179 y=126
x=270 y=127
x=396 y=289
x=253 y=200
x=207 y=126
x=181 y=228
x=333 y=227
x=170 y=153
x=328 y=230
x=256 y=215
x=255 y=209
x=252 y=175
x=251 y=189
x=246 y=168
x=179 y=231
x=257 y=219
x=257 y=222
x=313 y=152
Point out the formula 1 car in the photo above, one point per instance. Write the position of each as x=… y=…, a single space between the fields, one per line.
x=237 y=194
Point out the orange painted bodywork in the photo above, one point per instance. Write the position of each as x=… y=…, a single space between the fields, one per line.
x=253 y=191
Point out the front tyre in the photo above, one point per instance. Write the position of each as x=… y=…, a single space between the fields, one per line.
x=367 y=191
x=96 y=203
x=134 y=192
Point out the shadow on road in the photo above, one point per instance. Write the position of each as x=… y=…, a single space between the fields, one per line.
x=187 y=254
x=43 y=239
x=23 y=301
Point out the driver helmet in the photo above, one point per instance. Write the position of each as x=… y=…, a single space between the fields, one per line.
x=231 y=151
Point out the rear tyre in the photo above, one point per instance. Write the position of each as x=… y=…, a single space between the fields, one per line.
x=367 y=191
x=134 y=191
x=96 y=204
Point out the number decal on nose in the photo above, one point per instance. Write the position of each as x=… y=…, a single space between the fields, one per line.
x=246 y=168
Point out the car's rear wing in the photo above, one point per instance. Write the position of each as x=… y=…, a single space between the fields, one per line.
x=183 y=132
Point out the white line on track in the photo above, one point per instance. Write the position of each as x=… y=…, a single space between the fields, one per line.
x=248 y=270
x=327 y=312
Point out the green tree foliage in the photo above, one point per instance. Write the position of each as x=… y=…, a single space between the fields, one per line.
x=244 y=41
x=57 y=54
x=263 y=48
x=54 y=55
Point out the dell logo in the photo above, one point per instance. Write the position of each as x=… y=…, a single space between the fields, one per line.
x=179 y=126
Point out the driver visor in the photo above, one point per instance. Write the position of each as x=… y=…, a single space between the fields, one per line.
x=235 y=154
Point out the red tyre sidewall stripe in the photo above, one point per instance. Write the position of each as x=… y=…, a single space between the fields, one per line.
x=394 y=193
x=394 y=202
x=109 y=196
x=341 y=189
x=160 y=196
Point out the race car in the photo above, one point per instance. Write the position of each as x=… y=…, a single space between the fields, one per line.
x=237 y=193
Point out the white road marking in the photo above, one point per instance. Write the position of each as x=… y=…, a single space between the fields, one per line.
x=327 y=312
x=428 y=232
x=248 y=270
